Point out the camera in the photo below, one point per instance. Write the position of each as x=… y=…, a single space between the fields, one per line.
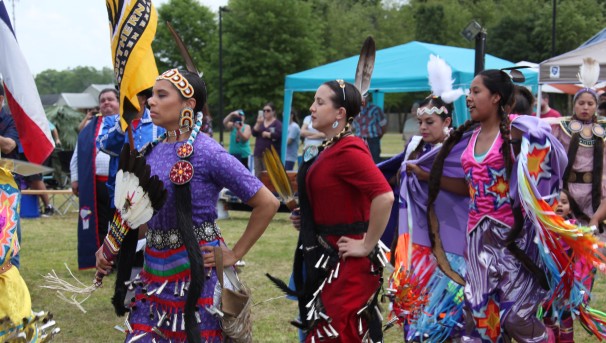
x=239 y=117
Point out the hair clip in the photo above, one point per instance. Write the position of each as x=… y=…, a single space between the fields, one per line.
x=342 y=85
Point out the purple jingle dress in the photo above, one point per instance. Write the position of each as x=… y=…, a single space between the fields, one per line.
x=160 y=300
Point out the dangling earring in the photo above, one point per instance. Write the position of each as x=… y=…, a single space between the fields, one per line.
x=186 y=118
x=446 y=131
x=335 y=124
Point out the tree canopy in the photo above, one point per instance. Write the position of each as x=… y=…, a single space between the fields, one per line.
x=72 y=80
x=264 y=40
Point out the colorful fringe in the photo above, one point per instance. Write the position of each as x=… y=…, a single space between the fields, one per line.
x=555 y=236
x=426 y=300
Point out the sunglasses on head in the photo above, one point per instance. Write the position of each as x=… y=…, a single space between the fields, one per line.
x=515 y=73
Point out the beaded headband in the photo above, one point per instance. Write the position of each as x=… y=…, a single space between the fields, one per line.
x=433 y=110
x=175 y=77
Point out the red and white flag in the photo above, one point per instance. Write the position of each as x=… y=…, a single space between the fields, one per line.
x=22 y=95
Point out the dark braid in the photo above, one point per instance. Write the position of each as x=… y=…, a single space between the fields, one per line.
x=504 y=128
x=573 y=147
x=598 y=167
x=435 y=174
x=345 y=132
x=434 y=188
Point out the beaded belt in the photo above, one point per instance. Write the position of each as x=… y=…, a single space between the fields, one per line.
x=580 y=177
x=171 y=239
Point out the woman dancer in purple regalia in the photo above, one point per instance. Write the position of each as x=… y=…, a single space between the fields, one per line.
x=429 y=304
x=174 y=291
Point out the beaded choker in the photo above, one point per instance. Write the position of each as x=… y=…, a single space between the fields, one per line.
x=178 y=132
x=183 y=171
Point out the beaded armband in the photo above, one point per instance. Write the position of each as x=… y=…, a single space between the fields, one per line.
x=113 y=241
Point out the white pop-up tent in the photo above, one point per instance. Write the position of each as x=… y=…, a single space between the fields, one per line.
x=564 y=68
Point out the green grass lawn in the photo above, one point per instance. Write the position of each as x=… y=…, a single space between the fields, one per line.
x=48 y=243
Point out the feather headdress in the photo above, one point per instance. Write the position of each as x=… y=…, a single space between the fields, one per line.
x=440 y=80
x=589 y=73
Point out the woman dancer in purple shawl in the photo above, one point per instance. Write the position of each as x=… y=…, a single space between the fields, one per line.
x=429 y=304
x=175 y=291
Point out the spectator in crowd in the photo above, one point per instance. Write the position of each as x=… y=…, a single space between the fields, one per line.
x=602 y=98
x=311 y=136
x=292 y=143
x=268 y=131
x=546 y=111
x=9 y=138
x=602 y=109
x=413 y=120
x=370 y=125
x=523 y=101
x=36 y=182
x=89 y=169
x=207 y=122
x=239 y=139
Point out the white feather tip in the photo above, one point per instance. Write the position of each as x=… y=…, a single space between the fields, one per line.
x=450 y=96
x=589 y=72
x=439 y=75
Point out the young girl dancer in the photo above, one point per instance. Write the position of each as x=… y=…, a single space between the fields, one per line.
x=502 y=290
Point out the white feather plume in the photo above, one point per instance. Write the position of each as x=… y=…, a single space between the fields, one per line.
x=450 y=96
x=440 y=80
x=589 y=72
x=139 y=209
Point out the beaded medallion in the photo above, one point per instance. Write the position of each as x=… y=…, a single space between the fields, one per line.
x=185 y=150
x=310 y=153
x=181 y=172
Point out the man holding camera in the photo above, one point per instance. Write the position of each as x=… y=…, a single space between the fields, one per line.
x=239 y=144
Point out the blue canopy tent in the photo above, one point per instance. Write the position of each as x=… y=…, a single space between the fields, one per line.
x=399 y=69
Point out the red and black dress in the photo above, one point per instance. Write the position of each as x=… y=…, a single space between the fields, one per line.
x=338 y=297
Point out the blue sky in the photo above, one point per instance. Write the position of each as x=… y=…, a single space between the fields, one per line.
x=61 y=34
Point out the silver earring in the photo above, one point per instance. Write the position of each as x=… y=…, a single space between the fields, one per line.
x=335 y=124
x=446 y=131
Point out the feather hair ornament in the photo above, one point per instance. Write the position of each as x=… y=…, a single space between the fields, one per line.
x=366 y=65
x=189 y=62
x=589 y=72
x=440 y=80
